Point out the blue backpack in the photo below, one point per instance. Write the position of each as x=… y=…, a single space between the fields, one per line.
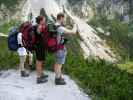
x=12 y=39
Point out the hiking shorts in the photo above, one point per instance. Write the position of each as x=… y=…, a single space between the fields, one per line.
x=22 y=51
x=40 y=52
x=61 y=56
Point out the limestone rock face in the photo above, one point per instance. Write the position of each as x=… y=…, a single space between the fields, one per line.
x=10 y=12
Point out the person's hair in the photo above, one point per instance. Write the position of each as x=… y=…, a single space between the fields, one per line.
x=60 y=15
x=42 y=12
x=39 y=19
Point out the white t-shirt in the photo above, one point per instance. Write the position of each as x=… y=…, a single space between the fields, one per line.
x=62 y=30
x=21 y=51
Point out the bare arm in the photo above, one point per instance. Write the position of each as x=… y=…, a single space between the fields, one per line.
x=68 y=31
x=19 y=39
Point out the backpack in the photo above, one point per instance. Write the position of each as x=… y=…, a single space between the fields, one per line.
x=28 y=35
x=12 y=39
x=49 y=36
x=52 y=41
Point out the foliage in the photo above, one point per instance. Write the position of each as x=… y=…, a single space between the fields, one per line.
x=127 y=66
x=102 y=80
x=119 y=38
x=6 y=27
x=8 y=59
x=10 y=4
x=98 y=78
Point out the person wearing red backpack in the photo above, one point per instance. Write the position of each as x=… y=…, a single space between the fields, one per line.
x=22 y=55
x=60 y=54
x=40 y=49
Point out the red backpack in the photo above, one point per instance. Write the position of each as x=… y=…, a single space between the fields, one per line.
x=28 y=35
x=50 y=40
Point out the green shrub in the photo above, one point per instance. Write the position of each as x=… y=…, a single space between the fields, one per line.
x=126 y=66
x=98 y=78
x=10 y=4
x=101 y=80
x=119 y=39
x=8 y=59
x=6 y=27
x=119 y=31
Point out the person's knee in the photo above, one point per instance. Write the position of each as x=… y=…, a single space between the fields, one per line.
x=30 y=55
x=22 y=58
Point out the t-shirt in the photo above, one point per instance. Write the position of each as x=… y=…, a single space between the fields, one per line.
x=60 y=33
x=64 y=30
x=21 y=50
x=19 y=38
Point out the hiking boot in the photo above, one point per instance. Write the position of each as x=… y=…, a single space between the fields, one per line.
x=41 y=80
x=60 y=81
x=24 y=74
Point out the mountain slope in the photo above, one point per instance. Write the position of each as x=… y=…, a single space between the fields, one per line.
x=10 y=10
x=120 y=9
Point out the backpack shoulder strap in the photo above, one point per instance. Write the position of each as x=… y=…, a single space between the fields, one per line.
x=57 y=26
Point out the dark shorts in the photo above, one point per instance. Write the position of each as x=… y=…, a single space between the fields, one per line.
x=40 y=52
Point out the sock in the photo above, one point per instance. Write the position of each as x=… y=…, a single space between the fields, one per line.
x=58 y=74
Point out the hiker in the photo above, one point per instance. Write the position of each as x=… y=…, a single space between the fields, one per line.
x=15 y=44
x=60 y=54
x=22 y=56
x=30 y=54
x=40 y=49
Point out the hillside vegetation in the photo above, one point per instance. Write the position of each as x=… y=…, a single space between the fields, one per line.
x=99 y=79
x=10 y=4
x=120 y=38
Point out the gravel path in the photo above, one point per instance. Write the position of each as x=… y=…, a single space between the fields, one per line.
x=13 y=87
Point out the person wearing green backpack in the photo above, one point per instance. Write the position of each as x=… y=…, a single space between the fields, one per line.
x=60 y=54
x=22 y=56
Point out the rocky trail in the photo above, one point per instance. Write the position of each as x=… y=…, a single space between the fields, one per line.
x=14 y=87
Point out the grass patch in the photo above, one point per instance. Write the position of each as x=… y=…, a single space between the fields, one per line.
x=127 y=66
x=6 y=27
x=9 y=3
x=119 y=39
x=100 y=79
x=8 y=59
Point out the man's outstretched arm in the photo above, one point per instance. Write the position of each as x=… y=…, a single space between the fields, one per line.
x=68 y=31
